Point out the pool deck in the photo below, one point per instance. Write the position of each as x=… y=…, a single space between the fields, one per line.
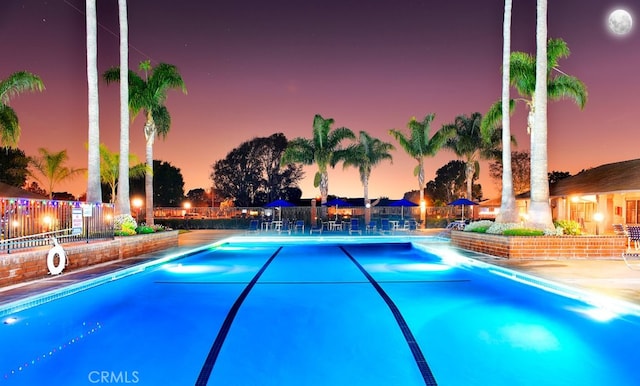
x=610 y=277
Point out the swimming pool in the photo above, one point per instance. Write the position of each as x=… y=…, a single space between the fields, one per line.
x=329 y=312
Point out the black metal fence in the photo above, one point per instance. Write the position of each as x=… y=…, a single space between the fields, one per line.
x=27 y=223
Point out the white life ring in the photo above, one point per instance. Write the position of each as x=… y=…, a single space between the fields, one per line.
x=56 y=250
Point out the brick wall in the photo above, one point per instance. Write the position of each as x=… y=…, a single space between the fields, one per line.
x=21 y=266
x=541 y=247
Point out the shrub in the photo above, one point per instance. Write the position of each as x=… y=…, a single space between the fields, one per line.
x=569 y=227
x=523 y=232
x=478 y=226
x=124 y=225
x=145 y=229
x=500 y=228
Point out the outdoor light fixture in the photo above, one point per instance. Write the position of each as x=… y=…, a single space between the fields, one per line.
x=598 y=217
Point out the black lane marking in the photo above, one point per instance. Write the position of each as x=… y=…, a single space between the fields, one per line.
x=427 y=375
x=314 y=282
x=207 y=367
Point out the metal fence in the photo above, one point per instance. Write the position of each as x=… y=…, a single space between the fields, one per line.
x=182 y=217
x=27 y=223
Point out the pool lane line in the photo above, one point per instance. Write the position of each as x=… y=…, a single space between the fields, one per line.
x=207 y=367
x=427 y=375
x=314 y=282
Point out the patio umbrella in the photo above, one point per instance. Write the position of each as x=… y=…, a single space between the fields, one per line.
x=463 y=202
x=402 y=203
x=337 y=202
x=279 y=204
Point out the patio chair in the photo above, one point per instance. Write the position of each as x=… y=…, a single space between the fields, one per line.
x=372 y=226
x=411 y=225
x=633 y=247
x=299 y=226
x=285 y=227
x=317 y=227
x=355 y=227
x=253 y=226
x=385 y=226
x=619 y=230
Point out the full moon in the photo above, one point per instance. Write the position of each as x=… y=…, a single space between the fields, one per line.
x=620 y=22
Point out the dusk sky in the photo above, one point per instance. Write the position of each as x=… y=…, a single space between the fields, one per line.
x=254 y=68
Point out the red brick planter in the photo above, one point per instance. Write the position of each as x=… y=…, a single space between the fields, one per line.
x=21 y=266
x=541 y=247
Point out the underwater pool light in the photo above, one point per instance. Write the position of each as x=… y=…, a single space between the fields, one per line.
x=10 y=320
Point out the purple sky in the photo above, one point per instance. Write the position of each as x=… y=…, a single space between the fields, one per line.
x=256 y=68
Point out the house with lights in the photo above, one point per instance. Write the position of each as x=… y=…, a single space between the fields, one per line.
x=596 y=198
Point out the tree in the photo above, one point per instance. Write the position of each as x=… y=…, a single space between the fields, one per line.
x=94 y=193
x=469 y=145
x=149 y=96
x=123 y=205
x=110 y=170
x=419 y=146
x=367 y=153
x=523 y=70
x=35 y=188
x=168 y=185
x=450 y=183
x=539 y=208
x=15 y=84
x=52 y=167
x=198 y=197
x=508 y=211
x=520 y=170
x=13 y=166
x=319 y=150
x=556 y=176
x=252 y=174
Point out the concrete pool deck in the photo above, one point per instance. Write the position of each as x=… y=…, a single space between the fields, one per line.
x=609 y=277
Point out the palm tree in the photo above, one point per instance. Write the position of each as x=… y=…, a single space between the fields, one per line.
x=110 y=169
x=149 y=95
x=559 y=85
x=469 y=145
x=418 y=145
x=508 y=211
x=319 y=150
x=52 y=166
x=15 y=84
x=365 y=154
x=123 y=206
x=94 y=190
x=539 y=210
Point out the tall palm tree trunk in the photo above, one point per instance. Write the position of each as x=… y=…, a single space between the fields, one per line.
x=150 y=134
x=508 y=212
x=324 y=192
x=469 y=172
x=94 y=190
x=540 y=210
x=423 y=207
x=123 y=205
x=367 y=208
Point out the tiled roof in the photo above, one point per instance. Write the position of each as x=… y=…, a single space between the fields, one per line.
x=614 y=177
x=9 y=191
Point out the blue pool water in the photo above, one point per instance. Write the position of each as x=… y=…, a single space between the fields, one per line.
x=323 y=313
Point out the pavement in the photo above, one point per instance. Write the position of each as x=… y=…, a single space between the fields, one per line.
x=610 y=277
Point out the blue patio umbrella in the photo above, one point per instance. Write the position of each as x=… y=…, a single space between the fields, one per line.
x=402 y=203
x=463 y=202
x=279 y=204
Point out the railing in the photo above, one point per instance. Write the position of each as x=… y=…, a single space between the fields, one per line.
x=39 y=240
x=28 y=223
